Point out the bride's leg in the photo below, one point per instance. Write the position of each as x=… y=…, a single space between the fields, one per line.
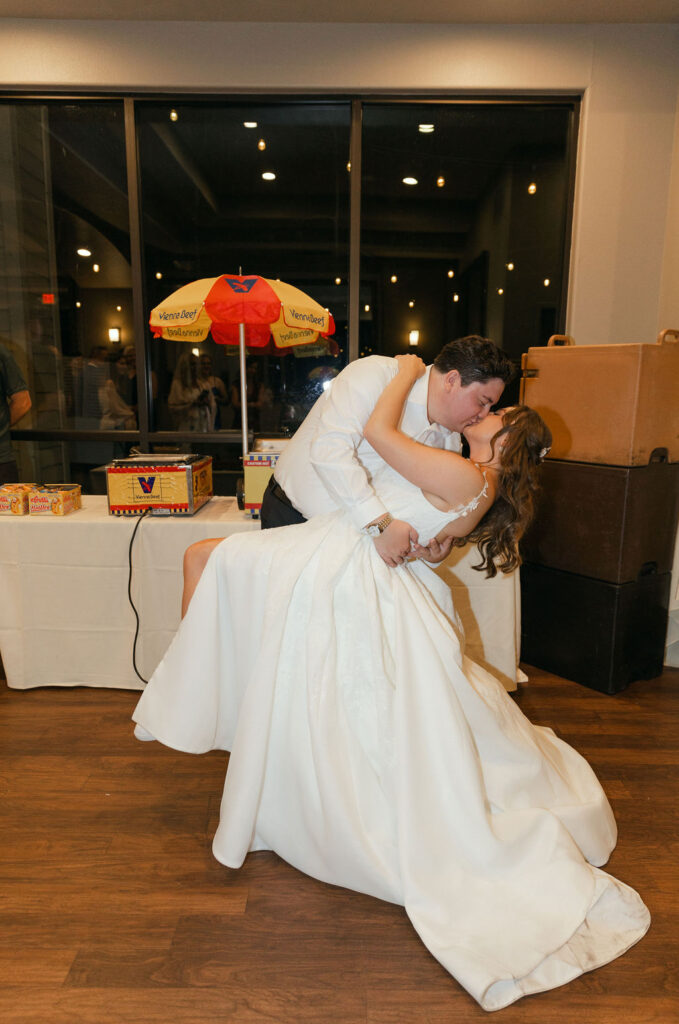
x=195 y=559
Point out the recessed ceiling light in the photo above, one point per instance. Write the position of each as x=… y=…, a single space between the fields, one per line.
x=269 y=176
x=411 y=303
x=456 y=297
x=249 y=124
x=338 y=280
x=393 y=279
x=78 y=305
x=95 y=268
x=174 y=116
x=426 y=129
x=261 y=145
x=367 y=307
x=440 y=181
x=500 y=291
x=158 y=275
x=84 y=252
x=451 y=273
x=546 y=282
x=119 y=308
x=410 y=181
x=532 y=188
x=510 y=266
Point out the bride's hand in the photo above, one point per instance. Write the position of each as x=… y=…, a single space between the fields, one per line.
x=411 y=364
x=395 y=543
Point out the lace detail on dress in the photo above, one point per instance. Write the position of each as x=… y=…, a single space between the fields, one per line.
x=463 y=510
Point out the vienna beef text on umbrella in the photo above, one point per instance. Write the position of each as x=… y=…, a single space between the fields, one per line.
x=241 y=310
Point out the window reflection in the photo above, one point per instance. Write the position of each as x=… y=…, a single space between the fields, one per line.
x=208 y=210
x=192 y=402
x=65 y=264
x=464 y=221
x=446 y=209
x=53 y=462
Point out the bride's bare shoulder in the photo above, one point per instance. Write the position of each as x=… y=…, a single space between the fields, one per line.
x=470 y=494
x=463 y=482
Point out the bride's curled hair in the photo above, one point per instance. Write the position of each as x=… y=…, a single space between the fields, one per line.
x=526 y=439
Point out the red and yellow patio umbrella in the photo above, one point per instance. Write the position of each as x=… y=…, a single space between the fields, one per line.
x=243 y=310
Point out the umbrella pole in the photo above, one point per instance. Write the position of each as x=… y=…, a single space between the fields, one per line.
x=243 y=389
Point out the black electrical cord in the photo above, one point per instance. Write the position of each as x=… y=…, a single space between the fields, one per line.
x=129 y=593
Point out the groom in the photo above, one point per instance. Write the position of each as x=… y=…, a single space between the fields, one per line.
x=328 y=464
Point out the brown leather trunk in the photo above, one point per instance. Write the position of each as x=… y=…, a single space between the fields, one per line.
x=612 y=523
x=602 y=635
x=610 y=404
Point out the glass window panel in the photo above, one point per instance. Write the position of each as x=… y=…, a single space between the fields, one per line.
x=76 y=462
x=67 y=316
x=207 y=210
x=84 y=462
x=454 y=239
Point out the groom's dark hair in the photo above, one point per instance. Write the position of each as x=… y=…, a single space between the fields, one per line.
x=475 y=359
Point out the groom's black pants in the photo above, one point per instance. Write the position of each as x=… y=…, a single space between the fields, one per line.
x=277 y=509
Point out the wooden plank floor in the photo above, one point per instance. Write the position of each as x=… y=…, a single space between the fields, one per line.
x=113 y=909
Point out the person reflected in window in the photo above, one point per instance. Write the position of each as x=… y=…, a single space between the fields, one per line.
x=125 y=376
x=15 y=402
x=218 y=389
x=191 y=401
x=264 y=408
x=126 y=380
x=116 y=414
x=89 y=377
x=252 y=386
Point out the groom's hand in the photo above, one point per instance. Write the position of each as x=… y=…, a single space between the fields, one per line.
x=433 y=551
x=394 y=545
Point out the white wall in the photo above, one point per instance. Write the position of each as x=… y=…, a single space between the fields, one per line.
x=625 y=255
x=669 y=288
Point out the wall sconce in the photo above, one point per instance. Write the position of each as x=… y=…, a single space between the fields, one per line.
x=114 y=334
x=414 y=337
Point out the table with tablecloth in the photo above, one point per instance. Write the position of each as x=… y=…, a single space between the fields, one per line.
x=65 y=618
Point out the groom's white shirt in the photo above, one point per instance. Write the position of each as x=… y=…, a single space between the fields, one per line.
x=328 y=464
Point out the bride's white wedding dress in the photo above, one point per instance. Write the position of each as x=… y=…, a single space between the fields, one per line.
x=367 y=751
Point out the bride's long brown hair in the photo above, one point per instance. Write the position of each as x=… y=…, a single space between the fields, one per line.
x=527 y=438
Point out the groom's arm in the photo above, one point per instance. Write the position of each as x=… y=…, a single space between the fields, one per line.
x=349 y=403
x=334 y=457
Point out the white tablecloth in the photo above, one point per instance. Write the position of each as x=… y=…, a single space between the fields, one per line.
x=65 y=619
x=490 y=610
x=672 y=648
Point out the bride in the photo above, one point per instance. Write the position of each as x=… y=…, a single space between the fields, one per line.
x=369 y=752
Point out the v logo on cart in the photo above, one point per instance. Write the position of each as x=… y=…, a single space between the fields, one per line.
x=146 y=483
x=246 y=285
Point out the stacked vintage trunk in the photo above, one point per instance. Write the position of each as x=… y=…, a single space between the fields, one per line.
x=595 y=582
